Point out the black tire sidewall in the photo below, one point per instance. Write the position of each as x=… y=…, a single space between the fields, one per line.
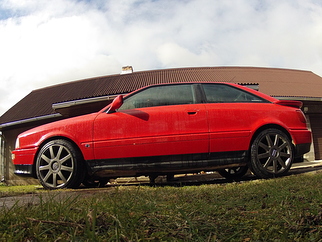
x=239 y=174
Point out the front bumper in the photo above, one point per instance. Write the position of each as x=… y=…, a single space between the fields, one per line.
x=24 y=170
x=23 y=159
x=24 y=156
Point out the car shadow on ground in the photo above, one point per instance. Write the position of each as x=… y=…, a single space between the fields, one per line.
x=203 y=178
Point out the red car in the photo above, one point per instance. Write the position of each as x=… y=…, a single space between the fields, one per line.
x=165 y=130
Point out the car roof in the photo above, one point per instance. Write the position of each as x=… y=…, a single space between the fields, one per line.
x=247 y=89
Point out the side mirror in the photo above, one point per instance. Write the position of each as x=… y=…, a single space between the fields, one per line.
x=116 y=104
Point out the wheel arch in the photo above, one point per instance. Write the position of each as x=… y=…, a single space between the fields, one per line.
x=269 y=126
x=45 y=141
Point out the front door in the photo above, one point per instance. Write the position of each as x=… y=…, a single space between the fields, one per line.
x=157 y=121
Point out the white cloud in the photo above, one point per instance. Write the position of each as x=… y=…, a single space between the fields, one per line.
x=170 y=54
x=48 y=42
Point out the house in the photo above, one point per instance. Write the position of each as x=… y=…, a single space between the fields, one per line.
x=90 y=95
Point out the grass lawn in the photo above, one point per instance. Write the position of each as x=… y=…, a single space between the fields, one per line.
x=281 y=209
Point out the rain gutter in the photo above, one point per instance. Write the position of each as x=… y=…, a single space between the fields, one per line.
x=29 y=120
x=68 y=104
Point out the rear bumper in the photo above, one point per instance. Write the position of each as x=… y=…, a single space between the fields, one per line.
x=301 y=149
x=302 y=140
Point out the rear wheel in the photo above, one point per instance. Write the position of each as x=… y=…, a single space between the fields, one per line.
x=272 y=154
x=59 y=165
x=234 y=172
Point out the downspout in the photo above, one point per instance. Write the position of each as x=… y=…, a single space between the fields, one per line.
x=2 y=158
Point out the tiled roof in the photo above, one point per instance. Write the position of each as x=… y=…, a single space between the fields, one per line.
x=272 y=81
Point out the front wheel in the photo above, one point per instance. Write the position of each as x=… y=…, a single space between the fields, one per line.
x=59 y=165
x=272 y=154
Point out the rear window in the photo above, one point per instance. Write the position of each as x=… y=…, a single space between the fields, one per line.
x=220 y=93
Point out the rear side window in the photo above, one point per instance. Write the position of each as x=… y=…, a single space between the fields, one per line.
x=220 y=93
x=160 y=96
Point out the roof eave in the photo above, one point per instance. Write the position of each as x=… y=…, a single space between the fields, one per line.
x=29 y=120
x=68 y=104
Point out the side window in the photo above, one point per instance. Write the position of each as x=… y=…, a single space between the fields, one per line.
x=160 y=96
x=220 y=93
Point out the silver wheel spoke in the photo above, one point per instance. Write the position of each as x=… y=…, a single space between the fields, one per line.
x=67 y=168
x=44 y=168
x=60 y=174
x=282 y=163
x=45 y=158
x=51 y=151
x=49 y=173
x=59 y=152
x=263 y=156
x=269 y=141
x=65 y=158
x=282 y=146
x=268 y=162
x=276 y=139
x=262 y=145
x=54 y=180
x=275 y=169
x=287 y=155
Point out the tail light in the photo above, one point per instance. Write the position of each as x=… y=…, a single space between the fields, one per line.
x=301 y=116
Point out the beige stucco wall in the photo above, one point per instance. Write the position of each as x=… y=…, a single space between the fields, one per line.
x=9 y=138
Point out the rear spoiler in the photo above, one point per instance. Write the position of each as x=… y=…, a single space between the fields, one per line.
x=290 y=103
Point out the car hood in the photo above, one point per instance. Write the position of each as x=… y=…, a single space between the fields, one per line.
x=71 y=128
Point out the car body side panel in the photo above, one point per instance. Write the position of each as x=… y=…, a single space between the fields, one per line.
x=232 y=125
x=153 y=131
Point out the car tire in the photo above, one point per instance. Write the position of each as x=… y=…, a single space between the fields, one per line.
x=272 y=154
x=234 y=172
x=95 y=183
x=59 y=165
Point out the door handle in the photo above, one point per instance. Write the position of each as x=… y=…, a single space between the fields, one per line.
x=192 y=112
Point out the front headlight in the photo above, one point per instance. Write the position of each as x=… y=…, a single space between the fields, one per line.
x=17 y=145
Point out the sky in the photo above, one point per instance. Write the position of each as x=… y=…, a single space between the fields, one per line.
x=43 y=43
